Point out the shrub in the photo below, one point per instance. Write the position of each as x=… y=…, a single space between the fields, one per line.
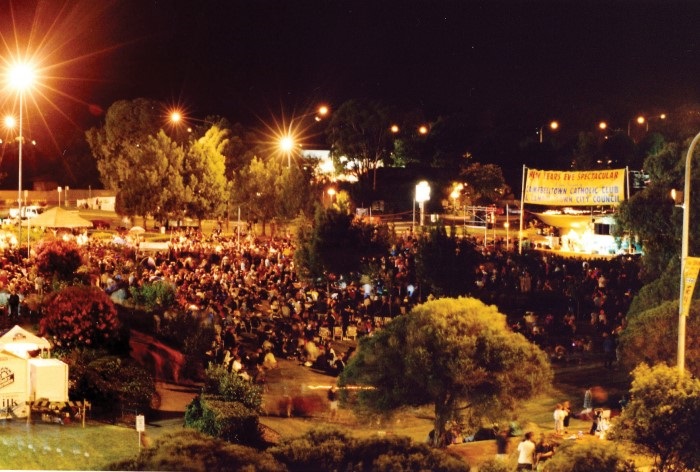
x=80 y=316
x=329 y=449
x=195 y=452
x=495 y=465
x=232 y=387
x=110 y=383
x=58 y=258
x=228 y=420
x=153 y=296
x=586 y=456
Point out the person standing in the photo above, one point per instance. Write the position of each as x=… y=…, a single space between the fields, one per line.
x=587 y=404
x=559 y=415
x=526 y=452
x=333 y=402
x=13 y=303
x=502 y=444
x=566 y=406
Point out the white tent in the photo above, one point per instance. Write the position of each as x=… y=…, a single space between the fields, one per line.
x=20 y=342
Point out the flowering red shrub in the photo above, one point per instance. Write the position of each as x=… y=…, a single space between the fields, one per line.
x=80 y=316
x=59 y=257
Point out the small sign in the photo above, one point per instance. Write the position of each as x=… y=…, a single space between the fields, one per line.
x=140 y=423
x=690 y=275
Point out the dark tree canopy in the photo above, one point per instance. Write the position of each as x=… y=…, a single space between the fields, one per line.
x=456 y=354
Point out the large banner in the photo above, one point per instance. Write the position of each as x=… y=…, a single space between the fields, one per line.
x=581 y=188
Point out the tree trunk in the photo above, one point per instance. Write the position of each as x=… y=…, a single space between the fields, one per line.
x=443 y=414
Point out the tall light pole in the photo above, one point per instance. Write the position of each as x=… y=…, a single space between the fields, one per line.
x=286 y=145
x=422 y=196
x=553 y=125
x=21 y=78
x=684 y=254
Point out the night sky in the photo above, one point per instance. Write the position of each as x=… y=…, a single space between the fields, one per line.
x=576 y=61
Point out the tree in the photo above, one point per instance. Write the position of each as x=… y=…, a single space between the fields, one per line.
x=359 y=131
x=484 y=183
x=256 y=188
x=334 y=228
x=203 y=172
x=58 y=258
x=661 y=416
x=192 y=451
x=154 y=185
x=651 y=216
x=127 y=124
x=651 y=337
x=80 y=316
x=444 y=263
x=456 y=354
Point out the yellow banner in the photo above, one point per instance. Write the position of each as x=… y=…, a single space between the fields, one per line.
x=690 y=275
x=581 y=188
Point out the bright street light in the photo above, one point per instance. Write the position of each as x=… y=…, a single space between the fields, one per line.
x=287 y=145
x=553 y=125
x=422 y=195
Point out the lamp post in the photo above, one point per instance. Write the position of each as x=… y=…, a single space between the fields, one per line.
x=422 y=195
x=553 y=125
x=331 y=193
x=21 y=78
x=684 y=253
x=59 y=190
x=286 y=145
x=65 y=197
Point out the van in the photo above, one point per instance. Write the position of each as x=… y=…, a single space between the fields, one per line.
x=29 y=211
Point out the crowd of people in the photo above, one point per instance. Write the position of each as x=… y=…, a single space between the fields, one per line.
x=249 y=286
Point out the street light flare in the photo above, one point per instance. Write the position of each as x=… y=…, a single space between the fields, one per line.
x=10 y=122
x=286 y=143
x=21 y=76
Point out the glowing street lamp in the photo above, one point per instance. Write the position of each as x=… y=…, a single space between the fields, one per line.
x=331 y=193
x=422 y=195
x=286 y=145
x=422 y=130
x=553 y=125
x=21 y=77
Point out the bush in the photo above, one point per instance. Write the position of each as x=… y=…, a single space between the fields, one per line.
x=110 y=383
x=494 y=465
x=228 y=420
x=154 y=296
x=328 y=449
x=586 y=456
x=58 y=258
x=194 y=452
x=232 y=387
x=81 y=316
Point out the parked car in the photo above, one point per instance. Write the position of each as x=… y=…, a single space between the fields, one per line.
x=29 y=211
